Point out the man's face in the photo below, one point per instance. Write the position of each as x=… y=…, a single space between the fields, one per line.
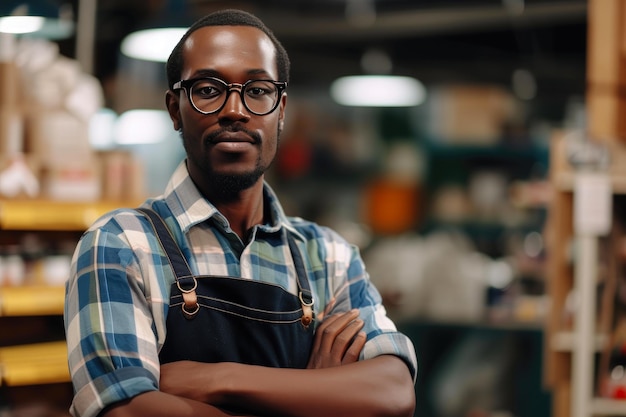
x=227 y=151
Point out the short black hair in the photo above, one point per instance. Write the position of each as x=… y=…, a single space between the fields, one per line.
x=228 y=17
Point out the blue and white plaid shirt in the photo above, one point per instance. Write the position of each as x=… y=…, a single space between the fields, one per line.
x=118 y=292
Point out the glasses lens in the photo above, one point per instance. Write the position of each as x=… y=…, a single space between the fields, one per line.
x=260 y=96
x=208 y=95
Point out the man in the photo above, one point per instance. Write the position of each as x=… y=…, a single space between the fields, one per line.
x=215 y=302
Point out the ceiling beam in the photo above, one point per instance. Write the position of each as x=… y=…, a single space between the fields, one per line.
x=418 y=22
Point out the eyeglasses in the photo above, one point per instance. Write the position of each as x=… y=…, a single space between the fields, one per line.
x=209 y=95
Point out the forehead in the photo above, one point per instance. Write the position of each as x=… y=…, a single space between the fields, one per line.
x=230 y=51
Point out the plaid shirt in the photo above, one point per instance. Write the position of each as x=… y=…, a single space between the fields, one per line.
x=118 y=292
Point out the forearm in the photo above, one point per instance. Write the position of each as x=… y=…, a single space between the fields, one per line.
x=376 y=387
x=160 y=404
x=335 y=383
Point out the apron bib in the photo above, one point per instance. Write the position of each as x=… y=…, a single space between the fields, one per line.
x=230 y=319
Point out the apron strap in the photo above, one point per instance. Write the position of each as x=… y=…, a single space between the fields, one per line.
x=305 y=295
x=187 y=283
x=185 y=280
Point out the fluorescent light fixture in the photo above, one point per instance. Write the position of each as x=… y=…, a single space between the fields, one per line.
x=142 y=126
x=152 y=44
x=21 y=24
x=378 y=91
x=37 y=18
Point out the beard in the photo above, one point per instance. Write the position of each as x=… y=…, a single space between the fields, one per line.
x=228 y=186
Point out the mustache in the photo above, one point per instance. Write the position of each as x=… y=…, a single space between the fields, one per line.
x=233 y=129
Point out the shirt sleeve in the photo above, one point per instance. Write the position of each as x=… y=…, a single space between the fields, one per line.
x=354 y=289
x=112 y=345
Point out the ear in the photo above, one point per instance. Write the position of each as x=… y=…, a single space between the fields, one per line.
x=281 y=110
x=173 y=108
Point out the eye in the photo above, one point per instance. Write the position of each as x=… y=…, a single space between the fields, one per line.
x=207 y=89
x=259 y=89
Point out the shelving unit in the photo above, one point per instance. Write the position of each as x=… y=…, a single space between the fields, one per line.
x=575 y=342
x=440 y=342
x=45 y=215
x=456 y=166
x=33 y=353
x=31 y=300
x=574 y=338
x=34 y=364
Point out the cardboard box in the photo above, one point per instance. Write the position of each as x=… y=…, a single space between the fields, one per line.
x=470 y=114
x=9 y=85
x=11 y=131
x=55 y=135
x=122 y=176
x=135 y=190
x=113 y=174
x=78 y=179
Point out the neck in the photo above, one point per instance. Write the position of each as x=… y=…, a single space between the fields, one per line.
x=243 y=210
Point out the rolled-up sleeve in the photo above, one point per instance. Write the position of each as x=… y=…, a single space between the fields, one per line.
x=383 y=337
x=352 y=288
x=110 y=330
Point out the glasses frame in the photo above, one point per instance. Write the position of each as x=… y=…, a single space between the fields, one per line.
x=186 y=85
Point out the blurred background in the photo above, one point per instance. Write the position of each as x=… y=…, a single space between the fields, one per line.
x=445 y=189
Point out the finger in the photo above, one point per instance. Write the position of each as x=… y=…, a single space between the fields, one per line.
x=354 y=351
x=320 y=331
x=325 y=334
x=344 y=339
x=340 y=344
x=329 y=333
x=334 y=319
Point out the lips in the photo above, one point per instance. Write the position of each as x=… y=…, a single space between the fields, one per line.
x=238 y=136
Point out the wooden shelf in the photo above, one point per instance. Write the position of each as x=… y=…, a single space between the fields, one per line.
x=30 y=300
x=32 y=360
x=564 y=181
x=608 y=407
x=565 y=342
x=571 y=367
x=45 y=215
x=40 y=363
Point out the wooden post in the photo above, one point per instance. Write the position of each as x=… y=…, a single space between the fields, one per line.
x=606 y=70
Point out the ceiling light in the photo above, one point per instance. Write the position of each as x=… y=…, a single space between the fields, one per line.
x=20 y=24
x=378 y=91
x=152 y=44
x=40 y=18
x=142 y=126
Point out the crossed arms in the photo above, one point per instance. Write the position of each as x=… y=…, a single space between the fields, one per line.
x=335 y=383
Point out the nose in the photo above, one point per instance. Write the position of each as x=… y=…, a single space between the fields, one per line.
x=234 y=108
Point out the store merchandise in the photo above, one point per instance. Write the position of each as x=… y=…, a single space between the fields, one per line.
x=46 y=104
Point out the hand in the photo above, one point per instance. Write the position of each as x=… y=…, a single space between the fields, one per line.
x=338 y=341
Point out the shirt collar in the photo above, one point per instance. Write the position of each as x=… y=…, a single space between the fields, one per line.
x=190 y=207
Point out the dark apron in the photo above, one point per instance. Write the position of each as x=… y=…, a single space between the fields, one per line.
x=230 y=319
